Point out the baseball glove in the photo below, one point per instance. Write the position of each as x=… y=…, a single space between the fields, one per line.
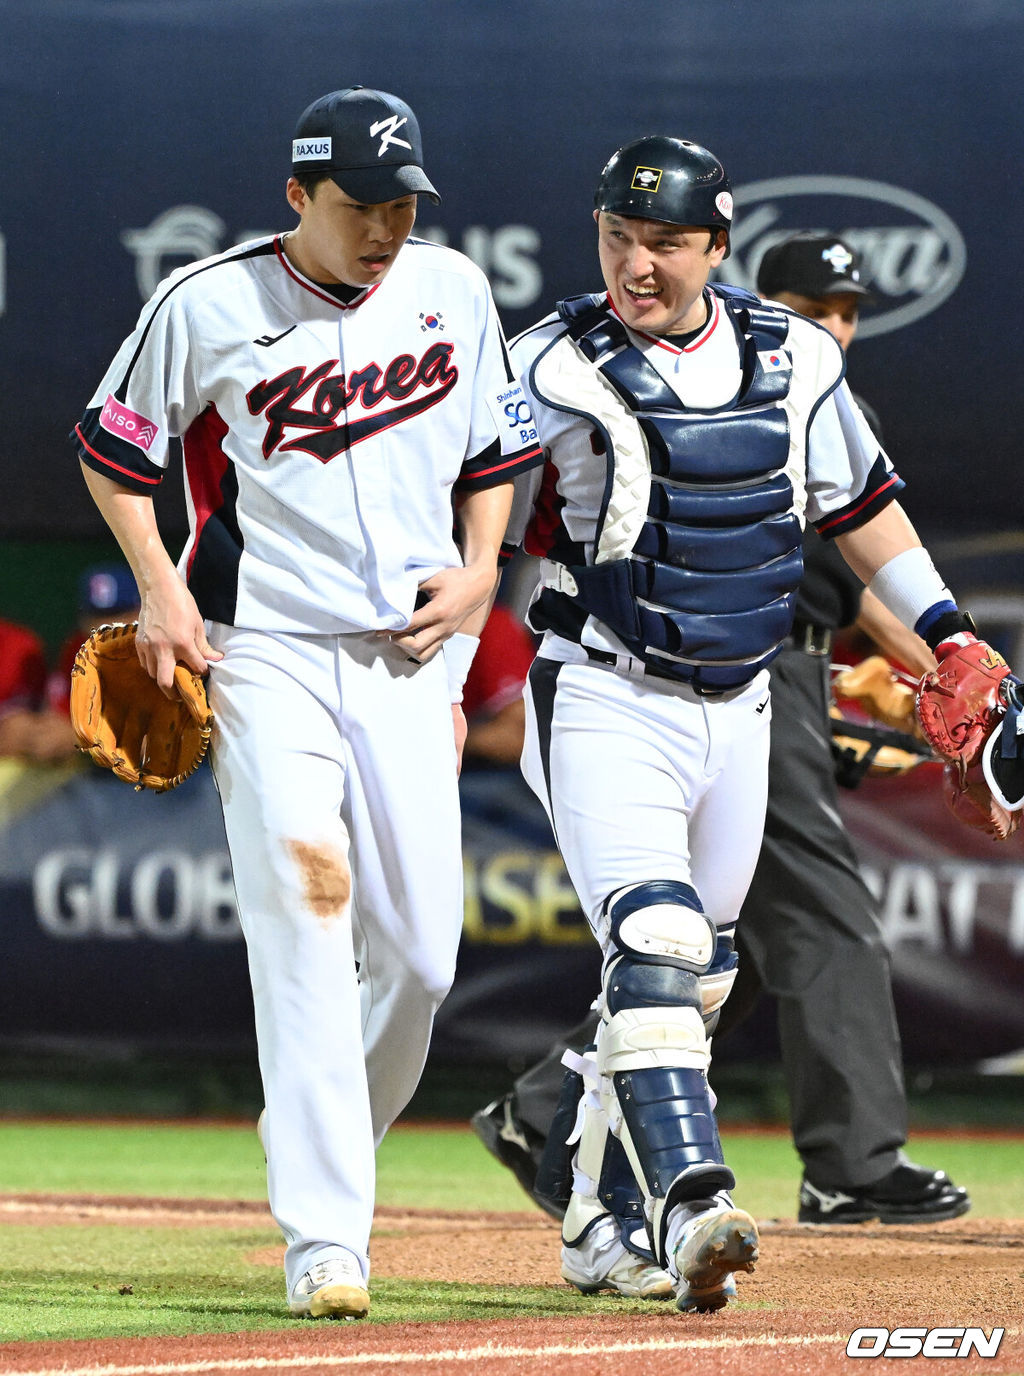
x=876 y=687
x=958 y=703
x=868 y=747
x=970 y=800
x=124 y=721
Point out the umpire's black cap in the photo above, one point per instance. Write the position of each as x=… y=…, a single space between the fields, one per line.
x=368 y=142
x=811 y=264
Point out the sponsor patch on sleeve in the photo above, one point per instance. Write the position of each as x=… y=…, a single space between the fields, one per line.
x=514 y=417
x=128 y=425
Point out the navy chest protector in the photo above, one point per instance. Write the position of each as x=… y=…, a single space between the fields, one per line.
x=707 y=592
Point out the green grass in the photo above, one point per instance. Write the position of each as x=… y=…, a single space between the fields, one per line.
x=66 y=1281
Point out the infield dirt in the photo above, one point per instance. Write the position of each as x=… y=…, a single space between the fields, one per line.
x=811 y=1289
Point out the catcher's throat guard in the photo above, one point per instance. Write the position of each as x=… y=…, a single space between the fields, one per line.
x=124 y=721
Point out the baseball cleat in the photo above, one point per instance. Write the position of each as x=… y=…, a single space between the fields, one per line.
x=908 y=1194
x=600 y=1261
x=628 y=1275
x=515 y=1144
x=711 y=1246
x=332 y=1289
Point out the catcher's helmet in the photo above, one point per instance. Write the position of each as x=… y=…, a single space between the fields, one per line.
x=661 y=178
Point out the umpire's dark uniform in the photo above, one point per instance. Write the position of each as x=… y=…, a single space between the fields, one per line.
x=809 y=931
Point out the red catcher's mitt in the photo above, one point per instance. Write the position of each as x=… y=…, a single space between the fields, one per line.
x=971 y=800
x=958 y=703
x=126 y=723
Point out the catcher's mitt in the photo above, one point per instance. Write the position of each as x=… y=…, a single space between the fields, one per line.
x=124 y=721
x=970 y=800
x=958 y=703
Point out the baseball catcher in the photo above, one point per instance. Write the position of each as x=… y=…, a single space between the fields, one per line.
x=126 y=723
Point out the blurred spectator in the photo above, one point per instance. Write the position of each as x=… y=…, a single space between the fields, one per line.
x=106 y=592
x=493 y=695
x=34 y=721
x=28 y=729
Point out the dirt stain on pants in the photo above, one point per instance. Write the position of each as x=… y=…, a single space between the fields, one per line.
x=326 y=879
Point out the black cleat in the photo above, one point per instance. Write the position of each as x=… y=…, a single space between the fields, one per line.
x=516 y=1145
x=908 y=1194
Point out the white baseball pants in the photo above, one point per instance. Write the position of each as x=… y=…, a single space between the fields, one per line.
x=334 y=757
x=643 y=780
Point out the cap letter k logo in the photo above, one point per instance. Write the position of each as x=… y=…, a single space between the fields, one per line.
x=388 y=130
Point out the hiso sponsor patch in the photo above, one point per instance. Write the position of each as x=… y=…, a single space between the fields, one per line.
x=118 y=420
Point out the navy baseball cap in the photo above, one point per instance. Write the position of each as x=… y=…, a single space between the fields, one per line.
x=368 y=142
x=811 y=264
x=107 y=588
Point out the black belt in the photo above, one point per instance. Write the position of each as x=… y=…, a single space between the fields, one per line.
x=813 y=640
x=606 y=657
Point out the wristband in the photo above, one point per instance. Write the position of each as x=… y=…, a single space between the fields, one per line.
x=459 y=650
x=911 y=587
x=955 y=627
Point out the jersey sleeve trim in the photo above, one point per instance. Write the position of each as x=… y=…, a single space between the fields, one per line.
x=506 y=553
x=510 y=467
x=881 y=488
x=129 y=478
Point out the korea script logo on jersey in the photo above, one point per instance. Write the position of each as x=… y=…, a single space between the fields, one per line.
x=328 y=394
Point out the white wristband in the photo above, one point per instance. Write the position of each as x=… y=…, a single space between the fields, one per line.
x=909 y=584
x=459 y=650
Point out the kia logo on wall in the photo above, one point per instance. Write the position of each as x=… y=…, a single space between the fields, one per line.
x=912 y=254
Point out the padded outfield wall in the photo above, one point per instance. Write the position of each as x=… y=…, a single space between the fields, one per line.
x=144 y=133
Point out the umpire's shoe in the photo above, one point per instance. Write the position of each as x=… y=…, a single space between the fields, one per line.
x=515 y=1144
x=908 y=1194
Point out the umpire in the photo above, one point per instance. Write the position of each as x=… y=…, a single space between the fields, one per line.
x=809 y=932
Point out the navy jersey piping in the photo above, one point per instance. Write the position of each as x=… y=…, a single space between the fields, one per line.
x=261 y=250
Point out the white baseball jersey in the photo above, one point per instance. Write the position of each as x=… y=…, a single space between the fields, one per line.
x=322 y=441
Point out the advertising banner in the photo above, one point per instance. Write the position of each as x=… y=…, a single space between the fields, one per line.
x=120 y=923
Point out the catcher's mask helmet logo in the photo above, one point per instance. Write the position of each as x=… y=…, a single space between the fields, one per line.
x=388 y=129
x=647 y=179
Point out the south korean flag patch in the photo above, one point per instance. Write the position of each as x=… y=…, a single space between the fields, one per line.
x=773 y=373
x=773 y=360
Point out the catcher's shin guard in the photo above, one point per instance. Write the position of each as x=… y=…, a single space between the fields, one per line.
x=717 y=980
x=654 y=1050
x=601 y=1178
